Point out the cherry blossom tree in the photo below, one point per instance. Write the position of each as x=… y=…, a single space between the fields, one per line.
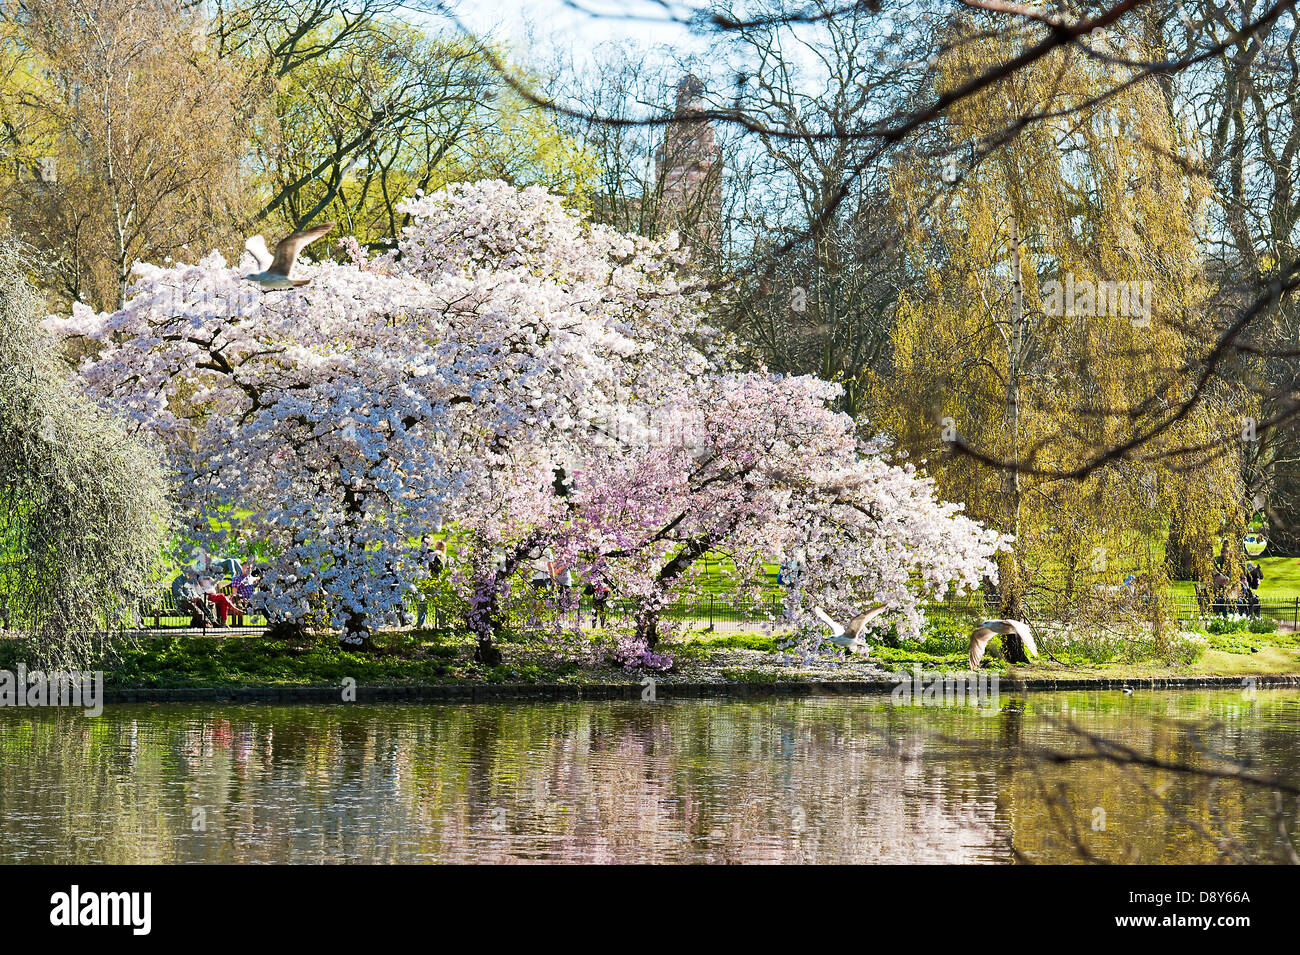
x=338 y=421
x=309 y=420
x=759 y=465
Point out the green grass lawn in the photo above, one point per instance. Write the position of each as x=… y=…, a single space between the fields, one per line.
x=184 y=660
x=716 y=575
x=1273 y=656
x=431 y=657
x=1281 y=580
x=180 y=660
x=1224 y=654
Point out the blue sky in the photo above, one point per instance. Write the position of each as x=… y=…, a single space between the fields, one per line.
x=581 y=25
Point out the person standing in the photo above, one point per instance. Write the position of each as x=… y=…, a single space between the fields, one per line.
x=788 y=577
x=562 y=577
x=434 y=558
x=540 y=577
x=599 y=592
x=1249 y=584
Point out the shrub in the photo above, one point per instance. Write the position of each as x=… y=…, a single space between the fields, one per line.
x=83 y=503
x=1236 y=623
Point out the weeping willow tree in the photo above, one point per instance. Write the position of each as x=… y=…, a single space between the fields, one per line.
x=1055 y=309
x=83 y=505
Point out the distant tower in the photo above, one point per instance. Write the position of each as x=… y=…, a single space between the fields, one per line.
x=688 y=167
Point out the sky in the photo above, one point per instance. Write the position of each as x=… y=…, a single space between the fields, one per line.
x=582 y=25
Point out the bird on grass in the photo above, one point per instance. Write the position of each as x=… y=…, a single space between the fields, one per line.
x=981 y=635
x=849 y=636
x=277 y=271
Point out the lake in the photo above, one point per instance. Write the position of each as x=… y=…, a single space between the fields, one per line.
x=836 y=779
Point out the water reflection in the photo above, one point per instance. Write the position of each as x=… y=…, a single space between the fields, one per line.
x=829 y=780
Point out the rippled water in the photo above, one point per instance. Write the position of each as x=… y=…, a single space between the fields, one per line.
x=825 y=780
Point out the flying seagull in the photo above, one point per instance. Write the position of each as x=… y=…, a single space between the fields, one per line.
x=849 y=636
x=981 y=635
x=276 y=273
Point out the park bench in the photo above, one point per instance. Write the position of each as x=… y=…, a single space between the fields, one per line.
x=162 y=606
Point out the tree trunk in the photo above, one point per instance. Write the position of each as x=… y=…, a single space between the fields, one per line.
x=1014 y=648
x=647 y=626
x=356 y=630
x=1011 y=605
x=1179 y=558
x=649 y=609
x=486 y=653
x=357 y=627
x=483 y=618
x=1011 y=580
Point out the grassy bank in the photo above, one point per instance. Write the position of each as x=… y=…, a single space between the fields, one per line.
x=424 y=657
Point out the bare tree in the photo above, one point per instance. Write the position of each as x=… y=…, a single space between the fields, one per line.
x=126 y=139
x=356 y=105
x=823 y=256
x=653 y=178
x=1241 y=111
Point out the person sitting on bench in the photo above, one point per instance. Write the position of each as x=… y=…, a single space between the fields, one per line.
x=212 y=593
x=187 y=596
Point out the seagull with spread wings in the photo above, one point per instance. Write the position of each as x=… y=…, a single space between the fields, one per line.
x=981 y=635
x=849 y=636
x=277 y=272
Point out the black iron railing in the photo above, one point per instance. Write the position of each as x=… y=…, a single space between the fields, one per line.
x=711 y=612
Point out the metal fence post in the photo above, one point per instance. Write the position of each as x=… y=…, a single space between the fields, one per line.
x=710 y=611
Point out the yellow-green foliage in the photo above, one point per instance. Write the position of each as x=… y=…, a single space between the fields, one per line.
x=1098 y=195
